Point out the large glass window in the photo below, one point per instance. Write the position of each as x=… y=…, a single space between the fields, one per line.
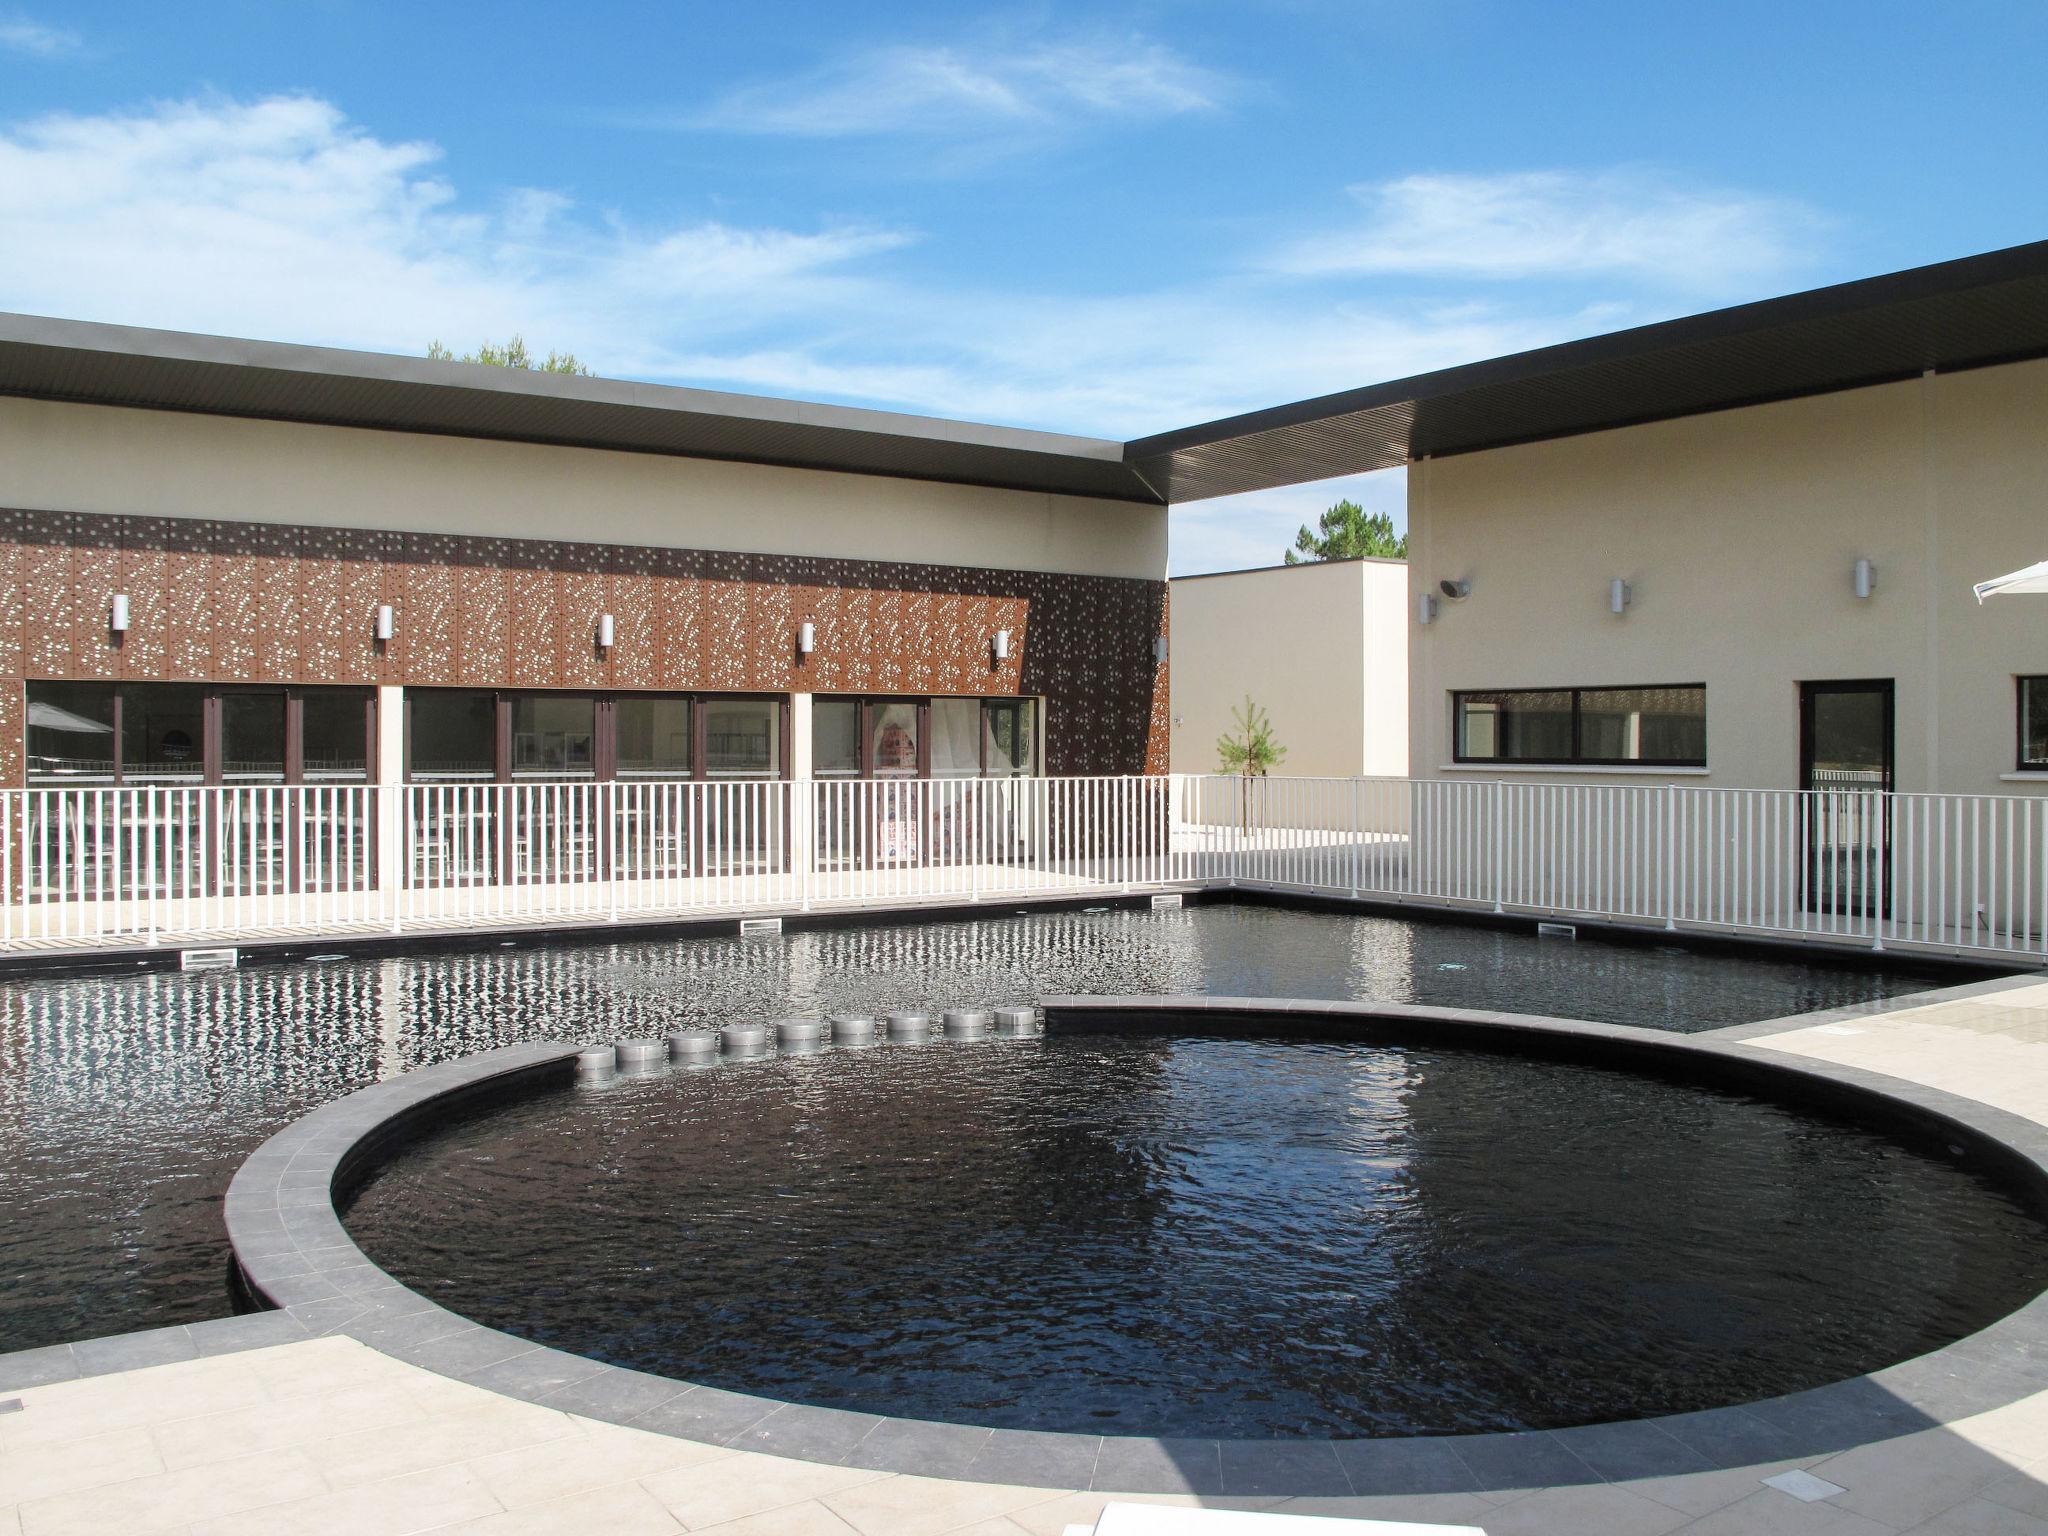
x=2034 y=723
x=654 y=737
x=335 y=732
x=896 y=740
x=1659 y=727
x=835 y=738
x=454 y=734
x=1012 y=729
x=193 y=733
x=742 y=738
x=163 y=733
x=71 y=733
x=554 y=736
x=252 y=736
x=956 y=738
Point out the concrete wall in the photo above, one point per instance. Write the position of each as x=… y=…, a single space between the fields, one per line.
x=1321 y=647
x=1738 y=532
x=93 y=458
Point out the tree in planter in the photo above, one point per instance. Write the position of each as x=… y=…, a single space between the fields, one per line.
x=1249 y=751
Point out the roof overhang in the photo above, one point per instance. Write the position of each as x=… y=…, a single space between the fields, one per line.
x=174 y=370
x=1957 y=314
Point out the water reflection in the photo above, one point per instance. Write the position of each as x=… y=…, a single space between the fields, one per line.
x=127 y=1102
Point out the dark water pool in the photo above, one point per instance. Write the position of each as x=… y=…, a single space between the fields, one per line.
x=127 y=1103
x=1203 y=1237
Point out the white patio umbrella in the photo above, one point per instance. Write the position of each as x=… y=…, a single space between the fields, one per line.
x=50 y=718
x=2033 y=579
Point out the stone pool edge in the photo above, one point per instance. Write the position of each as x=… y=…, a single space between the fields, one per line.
x=294 y=1252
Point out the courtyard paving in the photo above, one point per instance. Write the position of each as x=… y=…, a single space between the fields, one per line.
x=232 y=1434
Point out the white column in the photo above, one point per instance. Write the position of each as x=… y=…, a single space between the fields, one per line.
x=803 y=818
x=390 y=780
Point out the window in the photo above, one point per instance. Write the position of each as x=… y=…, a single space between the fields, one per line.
x=1011 y=726
x=460 y=735
x=924 y=738
x=896 y=740
x=2034 y=724
x=452 y=735
x=1664 y=727
x=71 y=733
x=554 y=736
x=654 y=737
x=742 y=738
x=835 y=738
x=956 y=738
x=196 y=733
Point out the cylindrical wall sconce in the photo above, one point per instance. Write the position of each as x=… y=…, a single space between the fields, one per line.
x=1002 y=645
x=1619 y=596
x=117 y=620
x=605 y=631
x=387 y=622
x=1866 y=578
x=806 y=638
x=1425 y=608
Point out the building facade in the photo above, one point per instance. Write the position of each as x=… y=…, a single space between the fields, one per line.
x=1321 y=647
x=1774 y=596
x=192 y=591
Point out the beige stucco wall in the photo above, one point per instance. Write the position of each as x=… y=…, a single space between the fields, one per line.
x=1738 y=532
x=1320 y=647
x=91 y=458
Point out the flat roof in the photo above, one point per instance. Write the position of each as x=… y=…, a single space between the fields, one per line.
x=1969 y=313
x=81 y=360
x=1955 y=314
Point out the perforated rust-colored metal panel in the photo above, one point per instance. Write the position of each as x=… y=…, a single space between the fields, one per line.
x=218 y=601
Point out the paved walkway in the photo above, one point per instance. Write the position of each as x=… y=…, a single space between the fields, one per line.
x=329 y=1435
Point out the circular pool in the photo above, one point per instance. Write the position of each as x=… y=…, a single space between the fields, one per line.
x=1177 y=1231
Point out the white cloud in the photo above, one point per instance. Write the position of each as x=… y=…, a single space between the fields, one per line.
x=1630 y=224
x=1038 y=86
x=282 y=219
x=22 y=34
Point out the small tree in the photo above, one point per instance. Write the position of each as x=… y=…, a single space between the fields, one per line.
x=1250 y=751
x=512 y=354
x=1349 y=531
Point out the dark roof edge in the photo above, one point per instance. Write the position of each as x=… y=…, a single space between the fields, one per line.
x=2014 y=263
x=1299 y=565
x=396 y=368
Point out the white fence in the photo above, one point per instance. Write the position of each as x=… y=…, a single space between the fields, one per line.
x=159 y=865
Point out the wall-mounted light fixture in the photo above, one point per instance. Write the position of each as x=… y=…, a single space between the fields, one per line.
x=1425 y=608
x=1455 y=591
x=1619 y=595
x=1866 y=578
x=117 y=619
x=1159 y=651
x=606 y=631
x=806 y=638
x=1001 y=645
x=387 y=622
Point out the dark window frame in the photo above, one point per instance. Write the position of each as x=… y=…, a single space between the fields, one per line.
x=2021 y=762
x=212 y=768
x=1577 y=759
x=605 y=740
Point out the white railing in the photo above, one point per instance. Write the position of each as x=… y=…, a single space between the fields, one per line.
x=168 y=863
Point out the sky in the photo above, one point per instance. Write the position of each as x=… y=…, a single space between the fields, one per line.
x=1106 y=219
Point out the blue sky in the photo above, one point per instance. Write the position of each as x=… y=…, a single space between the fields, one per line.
x=1106 y=219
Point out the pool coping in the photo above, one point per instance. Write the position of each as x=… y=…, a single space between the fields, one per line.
x=294 y=1252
